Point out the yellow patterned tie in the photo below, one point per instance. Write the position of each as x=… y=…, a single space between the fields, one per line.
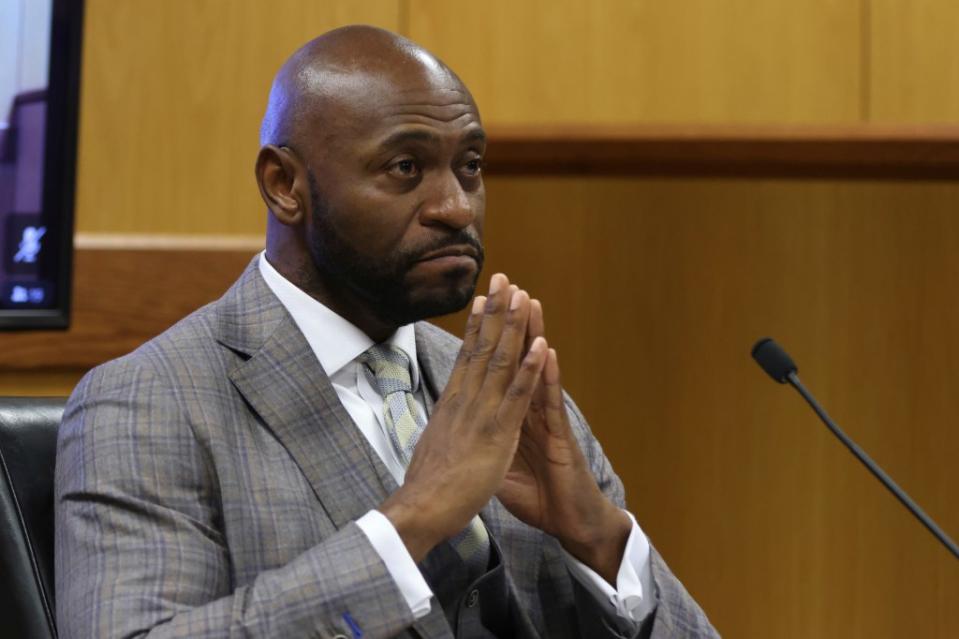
x=388 y=369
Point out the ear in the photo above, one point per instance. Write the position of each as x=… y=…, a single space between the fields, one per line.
x=282 y=178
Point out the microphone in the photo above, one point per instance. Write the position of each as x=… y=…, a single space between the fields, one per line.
x=778 y=365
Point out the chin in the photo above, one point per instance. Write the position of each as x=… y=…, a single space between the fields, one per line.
x=440 y=299
x=441 y=304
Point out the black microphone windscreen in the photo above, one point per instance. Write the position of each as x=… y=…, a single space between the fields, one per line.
x=773 y=359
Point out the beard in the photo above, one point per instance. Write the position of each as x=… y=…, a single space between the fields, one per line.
x=380 y=282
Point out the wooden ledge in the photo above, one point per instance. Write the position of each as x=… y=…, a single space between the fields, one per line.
x=913 y=152
x=121 y=298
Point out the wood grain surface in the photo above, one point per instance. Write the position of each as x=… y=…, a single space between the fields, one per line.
x=654 y=289
x=121 y=298
x=914 y=65
x=858 y=151
x=654 y=292
x=651 y=61
x=172 y=97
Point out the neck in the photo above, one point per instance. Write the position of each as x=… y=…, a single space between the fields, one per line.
x=338 y=299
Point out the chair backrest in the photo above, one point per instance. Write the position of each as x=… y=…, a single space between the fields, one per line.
x=28 y=446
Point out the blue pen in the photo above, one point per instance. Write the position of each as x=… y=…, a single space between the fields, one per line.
x=354 y=628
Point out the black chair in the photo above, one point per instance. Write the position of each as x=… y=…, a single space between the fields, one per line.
x=28 y=445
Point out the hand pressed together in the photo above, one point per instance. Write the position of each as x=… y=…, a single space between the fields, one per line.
x=501 y=428
x=468 y=444
x=549 y=485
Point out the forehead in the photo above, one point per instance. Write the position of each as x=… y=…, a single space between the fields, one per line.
x=362 y=107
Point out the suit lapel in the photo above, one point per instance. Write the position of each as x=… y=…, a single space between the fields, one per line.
x=286 y=386
x=436 y=362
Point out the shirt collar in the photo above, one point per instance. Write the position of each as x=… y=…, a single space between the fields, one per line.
x=334 y=340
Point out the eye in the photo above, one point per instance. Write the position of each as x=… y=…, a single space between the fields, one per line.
x=473 y=167
x=405 y=168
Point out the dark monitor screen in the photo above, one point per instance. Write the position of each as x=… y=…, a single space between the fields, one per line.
x=39 y=90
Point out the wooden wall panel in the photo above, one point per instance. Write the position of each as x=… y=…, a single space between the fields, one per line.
x=651 y=61
x=40 y=383
x=172 y=97
x=654 y=292
x=654 y=289
x=121 y=298
x=914 y=61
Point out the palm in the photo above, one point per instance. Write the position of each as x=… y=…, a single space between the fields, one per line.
x=546 y=468
x=549 y=485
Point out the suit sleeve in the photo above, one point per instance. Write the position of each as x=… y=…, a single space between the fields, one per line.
x=677 y=614
x=139 y=545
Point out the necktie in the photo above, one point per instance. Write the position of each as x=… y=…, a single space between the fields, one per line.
x=388 y=369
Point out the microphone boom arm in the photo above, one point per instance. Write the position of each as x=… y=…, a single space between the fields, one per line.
x=793 y=379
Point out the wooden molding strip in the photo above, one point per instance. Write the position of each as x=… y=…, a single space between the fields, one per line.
x=815 y=151
x=167 y=242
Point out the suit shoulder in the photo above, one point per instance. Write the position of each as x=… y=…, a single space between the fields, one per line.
x=443 y=340
x=191 y=342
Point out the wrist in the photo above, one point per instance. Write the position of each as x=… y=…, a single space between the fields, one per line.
x=601 y=545
x=413 y=523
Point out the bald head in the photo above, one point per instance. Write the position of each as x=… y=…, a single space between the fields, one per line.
x=370 y=166
x=339 y=67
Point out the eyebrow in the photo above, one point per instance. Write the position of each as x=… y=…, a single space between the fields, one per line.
x=475 y=135
x=420 y=135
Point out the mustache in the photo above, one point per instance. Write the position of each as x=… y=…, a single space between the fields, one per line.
x=459 y=238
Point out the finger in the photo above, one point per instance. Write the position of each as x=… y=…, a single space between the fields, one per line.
x=515 y=402
x=491 y=326
x=469 y=342
x=513 y=289
x=536 y=327
x=502 y=365
x=557 y=421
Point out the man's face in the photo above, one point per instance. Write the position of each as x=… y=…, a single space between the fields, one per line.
x=397 y=197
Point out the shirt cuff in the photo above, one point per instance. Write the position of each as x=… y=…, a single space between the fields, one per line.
x=634 y=597
x=391 y=549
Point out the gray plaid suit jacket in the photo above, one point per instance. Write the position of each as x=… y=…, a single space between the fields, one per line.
x=207 y=485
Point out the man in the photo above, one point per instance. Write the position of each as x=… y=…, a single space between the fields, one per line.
x=266 y=467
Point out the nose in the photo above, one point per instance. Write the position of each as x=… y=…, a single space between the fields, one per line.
x=449 y=204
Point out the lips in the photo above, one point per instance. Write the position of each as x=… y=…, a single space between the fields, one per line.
x=464 y=250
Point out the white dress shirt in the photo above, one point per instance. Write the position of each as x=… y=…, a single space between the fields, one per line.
x=337 y=345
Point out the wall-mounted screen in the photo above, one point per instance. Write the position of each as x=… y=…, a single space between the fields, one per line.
x=39 y=90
